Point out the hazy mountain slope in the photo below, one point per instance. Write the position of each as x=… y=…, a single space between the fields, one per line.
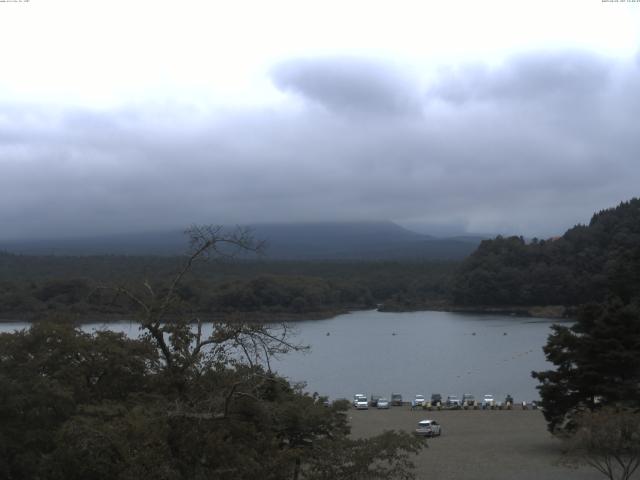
x=300 y=241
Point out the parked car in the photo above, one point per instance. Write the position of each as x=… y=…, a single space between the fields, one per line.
x=428 y=428
x=488 y=401
x=468 y=400
x=374 y=400
x=396 y=399
x=435 y=399
x=383 y=403
x=419 y=401
x=360 y=401
x=453 y=401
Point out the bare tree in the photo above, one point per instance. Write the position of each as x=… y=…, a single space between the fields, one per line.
x=180 y=337
x=609 y=441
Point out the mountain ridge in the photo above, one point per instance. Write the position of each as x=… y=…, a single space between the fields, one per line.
x=295 y=241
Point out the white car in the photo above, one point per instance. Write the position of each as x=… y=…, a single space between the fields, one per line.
x=418 y=401
x=428 y=428
x=383 y=403
x=488 y=401
x=360 y=401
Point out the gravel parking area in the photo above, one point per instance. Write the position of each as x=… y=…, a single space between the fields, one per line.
x=478 y=444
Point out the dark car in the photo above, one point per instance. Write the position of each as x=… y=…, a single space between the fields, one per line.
x=508 y=402
x=374 y=400
x=435 y=399
x=396 y=399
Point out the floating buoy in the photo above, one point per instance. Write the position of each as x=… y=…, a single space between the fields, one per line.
x=328 y=334
x=473 y=333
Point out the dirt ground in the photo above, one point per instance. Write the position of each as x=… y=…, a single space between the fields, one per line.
x=478 y=444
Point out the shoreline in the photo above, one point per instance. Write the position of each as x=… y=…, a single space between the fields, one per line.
x=533 y=311
x=558 y=312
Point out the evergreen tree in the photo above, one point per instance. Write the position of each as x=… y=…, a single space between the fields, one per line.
x=597 y=363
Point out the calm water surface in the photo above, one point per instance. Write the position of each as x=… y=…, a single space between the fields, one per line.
x=373 y=352
x=420 y=352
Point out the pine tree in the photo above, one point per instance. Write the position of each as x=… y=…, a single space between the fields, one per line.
x=597 y=363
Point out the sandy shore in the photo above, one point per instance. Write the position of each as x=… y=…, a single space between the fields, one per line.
x=478 y=445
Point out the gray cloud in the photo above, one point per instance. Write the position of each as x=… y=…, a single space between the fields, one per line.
x=531 y=147
x=555 y=76
x=346 y=84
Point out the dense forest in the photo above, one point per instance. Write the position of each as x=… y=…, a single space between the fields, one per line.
x=588 y=263
x=83 y=286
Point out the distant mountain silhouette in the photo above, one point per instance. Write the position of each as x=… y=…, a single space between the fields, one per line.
x=294 y=241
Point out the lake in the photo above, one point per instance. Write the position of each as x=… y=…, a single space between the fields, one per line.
x=379 y=353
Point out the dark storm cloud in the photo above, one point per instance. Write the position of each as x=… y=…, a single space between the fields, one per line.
x=349 y=84
x=530 y=147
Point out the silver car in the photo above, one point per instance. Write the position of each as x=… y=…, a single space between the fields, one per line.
x=383 y=403
x=428 y=428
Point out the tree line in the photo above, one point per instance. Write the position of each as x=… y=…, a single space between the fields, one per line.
x=36 y=287
x=588 y=263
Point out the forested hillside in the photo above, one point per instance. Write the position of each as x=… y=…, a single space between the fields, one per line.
x=40 y=286
x=588 y=263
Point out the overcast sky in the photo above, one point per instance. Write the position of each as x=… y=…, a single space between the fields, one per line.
x=512 y=117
